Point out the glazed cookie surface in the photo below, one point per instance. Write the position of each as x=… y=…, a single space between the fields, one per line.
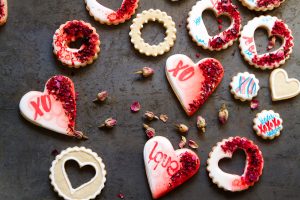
x=84 y=157
x=198 y=31
x=108 y=16
x=3 y=12
x=253 y=166
x=261 y=5
x=275 y=27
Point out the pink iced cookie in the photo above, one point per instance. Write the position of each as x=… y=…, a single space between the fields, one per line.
x=55 y=108
x=193 y=83
x=166 y=168
x=3 y=12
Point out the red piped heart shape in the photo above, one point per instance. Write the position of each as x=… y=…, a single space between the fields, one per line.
x=166 y=168
x=193 y=83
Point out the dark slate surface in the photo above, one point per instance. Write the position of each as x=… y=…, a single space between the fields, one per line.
x=27 y=61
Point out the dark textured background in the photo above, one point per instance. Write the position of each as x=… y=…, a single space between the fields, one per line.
x=26 y=62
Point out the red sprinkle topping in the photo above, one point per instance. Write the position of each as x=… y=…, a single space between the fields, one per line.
x=268 y=3
x=254 y=158
x=213 y=73
x=124 y=12
x=1 y=9
x=62 y=89
x=226 y=6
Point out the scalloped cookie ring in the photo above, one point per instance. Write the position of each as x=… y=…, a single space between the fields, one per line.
x=108 y=16
x=138 y=41
x=198 y=31
x=3 y=12
x=275 y=27
x=261 y=5
x=61 y=183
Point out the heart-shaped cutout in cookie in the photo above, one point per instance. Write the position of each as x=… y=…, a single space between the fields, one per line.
x=166 y=168
x=55 y=108
x=193 y=83
x=283 y=87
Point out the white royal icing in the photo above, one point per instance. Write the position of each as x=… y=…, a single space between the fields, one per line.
x=253 y=5
x=99 y=11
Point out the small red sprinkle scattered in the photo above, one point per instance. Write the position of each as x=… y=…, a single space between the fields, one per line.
x=219 y=21
x=220 y=27
x=197 y=55
x=121 y=196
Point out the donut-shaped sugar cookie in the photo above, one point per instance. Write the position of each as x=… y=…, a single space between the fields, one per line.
x=70 y=32
x=275 y=27
x=198 y=31
x=261 y=5
x=3 y=12
x=253 y=166
x=108 y=16
x=138 y=41
x=83 y=157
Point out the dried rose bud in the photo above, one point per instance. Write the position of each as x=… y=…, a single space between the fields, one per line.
x=182 y=142
x=150 y=115
x=193 y=144
x=271 y=43
x=223 y=114
x=135 y=106
x=182 y=128
x=101 y=96
x=145 y=72
x=164 y=118
x=121 y=196
x=150 y=132
x=109 y=123
x=201 y=124
x=80 y=135
x=254 y=104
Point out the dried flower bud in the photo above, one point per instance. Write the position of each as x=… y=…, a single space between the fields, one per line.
x=223 y=114
x=182 y=128
x=80 y=135
x=254 y=104
x=121 y=196
x=163 y=118
x=135 y=106
x=201 y=124
x=182 y=142
x=150 y=115
x=150 y=132
x=145 y=71
x=193 y=144
x=109 y=123
x=101 y=96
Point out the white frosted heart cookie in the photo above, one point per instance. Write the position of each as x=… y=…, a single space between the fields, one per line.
x=166 y=168
x=244 y=86
x=198 y=31
x=3 y=12
x=108 y=16
x=275 y=27
x=283 y=87
x=84 y=157
x=262 y=5
x=138 y=41
x=268 y=124
x=253 y=166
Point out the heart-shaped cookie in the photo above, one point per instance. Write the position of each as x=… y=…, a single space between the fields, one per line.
x=193 y=83
x=283 y=87
x=55 y=108
x=166 y=168
x=3 y=11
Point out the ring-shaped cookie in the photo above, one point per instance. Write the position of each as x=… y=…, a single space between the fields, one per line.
x=275 y=27
x=261 y=5
x=198 y=31
x=108 y=16
x=253 y=167
x=3 y=12
x=70 y=32
x=84 y=157
x=138 y=41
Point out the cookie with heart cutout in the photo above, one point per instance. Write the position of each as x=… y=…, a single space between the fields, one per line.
x=193 y=83
x=261 y=5
x=167 y=168
x=198 y=31
x=253 y=166
x=283 y=87
x=108 y=16
x=3 y=12
x=84 y=157
x=54 y=108
x=275 y=27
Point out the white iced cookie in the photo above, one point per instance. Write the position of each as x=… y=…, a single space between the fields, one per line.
x=198 y=31
x=84 y=157
x=283 y=87
x=244 y=86
x=108 y=16
x=261 y=5
x=268 y=124
x=3 y=12
x=275 y=27
x=253 y=166
x=138 y=41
